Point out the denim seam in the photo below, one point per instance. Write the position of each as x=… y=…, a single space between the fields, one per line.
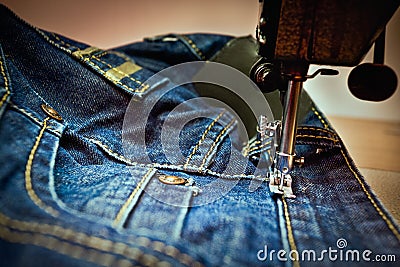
x=194 y=46
x=185 y=167
x=51 y=243
x=318 y=129
x=255 y=154
x=47 y=38
x=211 y=149
x=326 y=126
x=282 y=226
x=317 y=137
x=122 y=212
x=374 y=204
x=367 y=193
x=28 y=171
x=117 y=53
x=250 y=150
x=101 y=244
x=36 y=120
x=250 y=144
x=253 y=143
x=290 y=234
x=203 y=137
x=6 y=82
x=289 y=229
x=144 y=86
x=102 y=54
x=262 y=150
x=172 y=167
x=136 y=90
x=102 y=72
x=98 y=58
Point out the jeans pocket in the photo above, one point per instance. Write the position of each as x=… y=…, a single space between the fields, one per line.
x=314 y=140
x=28 y=157
x=68 y=214
x=123 y=197
x=159 y=208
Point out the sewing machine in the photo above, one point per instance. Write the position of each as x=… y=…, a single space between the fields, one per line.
x=292 y=34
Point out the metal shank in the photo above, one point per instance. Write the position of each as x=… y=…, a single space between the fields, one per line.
x=286 y=154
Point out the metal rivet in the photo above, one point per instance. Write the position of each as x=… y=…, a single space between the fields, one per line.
x=173 y=180
x=51 y=112
x=299 y=161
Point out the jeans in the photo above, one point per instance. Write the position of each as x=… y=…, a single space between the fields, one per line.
x=79 y=189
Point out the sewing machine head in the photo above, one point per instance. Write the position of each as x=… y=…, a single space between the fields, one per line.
x=321 y=32
x=292 y=34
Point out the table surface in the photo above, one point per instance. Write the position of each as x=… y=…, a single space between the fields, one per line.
x=374 y=145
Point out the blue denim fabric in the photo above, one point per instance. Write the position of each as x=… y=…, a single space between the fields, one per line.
x=70 y=196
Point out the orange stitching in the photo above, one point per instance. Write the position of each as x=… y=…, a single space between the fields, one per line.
x=106 y=149
x=6 y=85
x=318 y=129
x=94 y=242
x=194 y=46
x=203 y=138
x=289 y=230
x=28 y=171
x=259 y=147
x=380 y=212
x=246 y=151
x=26 y=113
x=50 y=243
x=255 y=142
x=117 y=82
x=269 y=155
x=31 y=116
x=47 y=38
x=215 y=143
x=103 y=54
x=117 y=70
x=318 y=137
x=121 y=212
x=250 y=144
x=320 y=117
x=136 y=90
